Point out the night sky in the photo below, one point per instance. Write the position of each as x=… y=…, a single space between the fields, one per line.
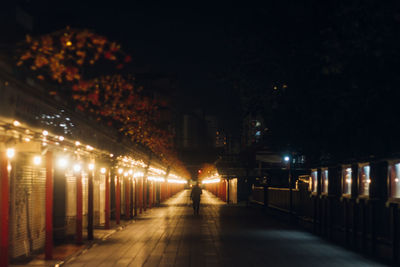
x=317 y=67
x=190 y=42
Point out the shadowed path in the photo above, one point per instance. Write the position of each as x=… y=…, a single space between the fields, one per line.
x=220 y=236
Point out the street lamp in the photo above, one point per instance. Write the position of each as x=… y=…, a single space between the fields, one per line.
x=288 y=162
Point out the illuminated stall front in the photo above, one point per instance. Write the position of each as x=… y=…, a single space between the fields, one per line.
x=346 y=180
x=364 y=180
x=324 y=180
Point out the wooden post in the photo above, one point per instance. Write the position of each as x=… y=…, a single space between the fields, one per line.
x=4 y=213
x=90 y=206
x=118 y=202
x=107 y=206
x=49 y=206
x=79 y=208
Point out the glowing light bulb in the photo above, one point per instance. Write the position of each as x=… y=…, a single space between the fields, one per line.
x=37 y=160
x=77 y=167
x=103 y=170
x=45 y=133
x=125 y=174
x=62 y=162
x=16 y=123
x=77 y=143
x=10 y=153
x=111 y=155
x=61 y=138
x=91 y=166
x=120 y=171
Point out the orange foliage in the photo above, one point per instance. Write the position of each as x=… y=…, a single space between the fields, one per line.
x=64 y=55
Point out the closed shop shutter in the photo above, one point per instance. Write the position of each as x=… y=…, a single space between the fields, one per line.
x=27 y=200
x=96 y=200
x=102 y=198
x=122 y=184
x=85 y=181
x=70 y=201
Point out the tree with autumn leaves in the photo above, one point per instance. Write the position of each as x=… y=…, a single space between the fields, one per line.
x=85 y=66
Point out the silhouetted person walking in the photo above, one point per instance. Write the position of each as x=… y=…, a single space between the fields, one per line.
x=195 y=196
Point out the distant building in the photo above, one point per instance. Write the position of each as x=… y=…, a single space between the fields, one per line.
x=252 y=130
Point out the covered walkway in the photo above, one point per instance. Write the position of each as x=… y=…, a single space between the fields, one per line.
x=220 y=236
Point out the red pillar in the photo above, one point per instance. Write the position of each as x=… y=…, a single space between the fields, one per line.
x=145 y=193
x=154 y=193
x=150 y=194
x=4 y=213
x=140 y=195
x=79 y=208
x=161 y=192
x=107 y=207
x=136 y=195
x=90 y=235
x=118 y=202
x=127 y=197
x=49 y=206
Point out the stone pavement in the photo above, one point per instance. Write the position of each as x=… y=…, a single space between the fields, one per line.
x=222 y=235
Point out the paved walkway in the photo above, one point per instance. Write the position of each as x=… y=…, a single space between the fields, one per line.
x=220 y=236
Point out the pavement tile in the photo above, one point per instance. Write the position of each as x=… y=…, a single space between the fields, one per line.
x=222 y=235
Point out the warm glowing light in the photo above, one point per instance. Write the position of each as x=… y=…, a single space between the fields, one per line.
x=125 y=174
x=120 y=171
x=130 y=172
x=61 y=138
x=16 y=123
x=348 y=180
x=368 y=181
x=9 y=168
x=138 y=174
x=10 y=153
x=62 y=162
x=44 y=144
x=103 y=170
x=27 y=139
x=211 y=181
x=396 y=180
x=77 y=167
x=77 y=143
x=286 y=158
x=37 y=160
x=111 y=155
x=45 y=133
x=156 y=179
x=89 y=148
x=68 y=43
x=175 y=181
x=91 y=166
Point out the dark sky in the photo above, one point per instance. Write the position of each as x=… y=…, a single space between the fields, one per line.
x=190 y=42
